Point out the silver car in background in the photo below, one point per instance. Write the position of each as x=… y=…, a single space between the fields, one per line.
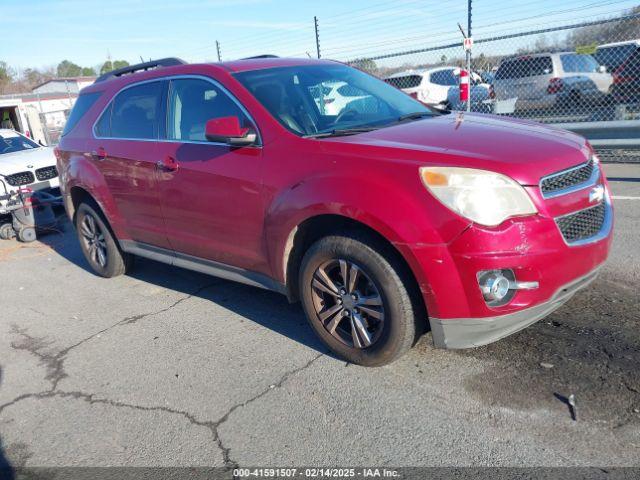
x=561 y=81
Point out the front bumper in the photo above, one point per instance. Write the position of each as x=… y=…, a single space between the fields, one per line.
x=455 y=333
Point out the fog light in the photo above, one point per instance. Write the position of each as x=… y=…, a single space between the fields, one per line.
x=499 y=286
x=495 y=286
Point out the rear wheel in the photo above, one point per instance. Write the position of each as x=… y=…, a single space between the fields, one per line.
x=98 y=244
x=356 y=300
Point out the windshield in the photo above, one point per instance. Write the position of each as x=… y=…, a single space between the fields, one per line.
x=305 y=100
x=11 y=142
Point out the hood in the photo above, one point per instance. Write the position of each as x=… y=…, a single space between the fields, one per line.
x=524 y=151
x=26 y=160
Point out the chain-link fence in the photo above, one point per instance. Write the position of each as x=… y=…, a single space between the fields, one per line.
x=577 y=63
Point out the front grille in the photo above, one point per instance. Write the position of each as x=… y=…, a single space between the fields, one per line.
x=19 y=179
x=583 y=224
x=47 y=173
x=567 y=179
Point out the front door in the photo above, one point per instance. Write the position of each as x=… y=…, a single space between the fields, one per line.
x=125 y=150
x=210 y=192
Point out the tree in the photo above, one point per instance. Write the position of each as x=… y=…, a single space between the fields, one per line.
x=33 y=76
x=109 y=65
x=120 y=64
x=88 y=71
x=365 y=64
x=106 y=67
x=6 y=75
x=616 y=31
x=68 y=69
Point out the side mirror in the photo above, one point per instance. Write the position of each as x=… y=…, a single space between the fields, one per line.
x=228 y=130
x=602 y=69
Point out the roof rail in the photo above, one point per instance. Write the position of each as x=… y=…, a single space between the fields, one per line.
x=162 y=62
x=260 y=56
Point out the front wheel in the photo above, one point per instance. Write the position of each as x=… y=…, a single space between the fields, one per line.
x=356 y=300
x=98 y=244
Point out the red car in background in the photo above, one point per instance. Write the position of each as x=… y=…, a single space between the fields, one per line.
x=385 y=219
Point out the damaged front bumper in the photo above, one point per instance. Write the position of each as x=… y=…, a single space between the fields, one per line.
x=454 y=333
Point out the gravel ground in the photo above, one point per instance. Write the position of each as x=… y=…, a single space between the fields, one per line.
x=166 y=367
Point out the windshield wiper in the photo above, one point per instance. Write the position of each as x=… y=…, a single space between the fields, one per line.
x=414 y=116
x=339 y=132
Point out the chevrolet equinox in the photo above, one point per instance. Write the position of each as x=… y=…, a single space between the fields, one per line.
x=385 y=218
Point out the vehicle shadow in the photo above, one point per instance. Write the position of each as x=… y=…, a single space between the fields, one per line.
x=269 y=309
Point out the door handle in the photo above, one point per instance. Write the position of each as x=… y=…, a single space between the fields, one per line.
x=169 y=164
x=99 y=154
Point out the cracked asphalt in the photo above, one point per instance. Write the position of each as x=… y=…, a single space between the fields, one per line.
x=166 y=367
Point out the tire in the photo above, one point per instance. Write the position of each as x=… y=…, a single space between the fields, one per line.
x=27 y=234
x=6 y=231
x=99 y=245
x=390 y=327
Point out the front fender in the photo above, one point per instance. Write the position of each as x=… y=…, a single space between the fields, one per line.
x=396 y=207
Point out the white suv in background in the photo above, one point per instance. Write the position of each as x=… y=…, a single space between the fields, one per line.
x=430 y=86
x=546 y=80
x=337 y=96
x=25 y=163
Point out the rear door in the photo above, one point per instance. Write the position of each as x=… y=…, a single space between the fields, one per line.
x=526 y=78
x=212 y=198
x=126 y=152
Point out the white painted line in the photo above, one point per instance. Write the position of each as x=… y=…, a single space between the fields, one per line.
x=619 y=197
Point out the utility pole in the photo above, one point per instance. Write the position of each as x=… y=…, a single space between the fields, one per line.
x=218 y=50
x=469 y=54
x=315 y=23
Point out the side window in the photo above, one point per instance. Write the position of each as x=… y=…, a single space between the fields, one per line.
x=193 y=102
x=570 y=63
x=82 y=105
x=578 y=63
x=135 y=112
x=540 y=66
x=508 y=70
x=103 y=127
x=444 y=77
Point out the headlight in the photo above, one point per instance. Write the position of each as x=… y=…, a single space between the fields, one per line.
x=484 y=197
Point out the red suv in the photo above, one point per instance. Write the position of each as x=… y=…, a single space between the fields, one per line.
x=383 y=217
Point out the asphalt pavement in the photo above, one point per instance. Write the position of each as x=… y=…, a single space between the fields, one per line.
x=166 y=367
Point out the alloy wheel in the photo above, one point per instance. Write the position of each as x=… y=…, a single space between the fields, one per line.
x=93 y=240
x=348 y=303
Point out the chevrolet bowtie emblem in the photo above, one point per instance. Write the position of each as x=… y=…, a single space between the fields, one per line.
x=596 y=195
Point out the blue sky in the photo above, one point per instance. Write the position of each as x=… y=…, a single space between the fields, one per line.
x=44 y=32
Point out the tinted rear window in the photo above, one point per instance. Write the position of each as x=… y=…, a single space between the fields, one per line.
x=82 y=105
x=136 y=112
x=524 y=67
x=408 y=81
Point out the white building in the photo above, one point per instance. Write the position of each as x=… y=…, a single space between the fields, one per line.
x=43 y=113
x=64 y=85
